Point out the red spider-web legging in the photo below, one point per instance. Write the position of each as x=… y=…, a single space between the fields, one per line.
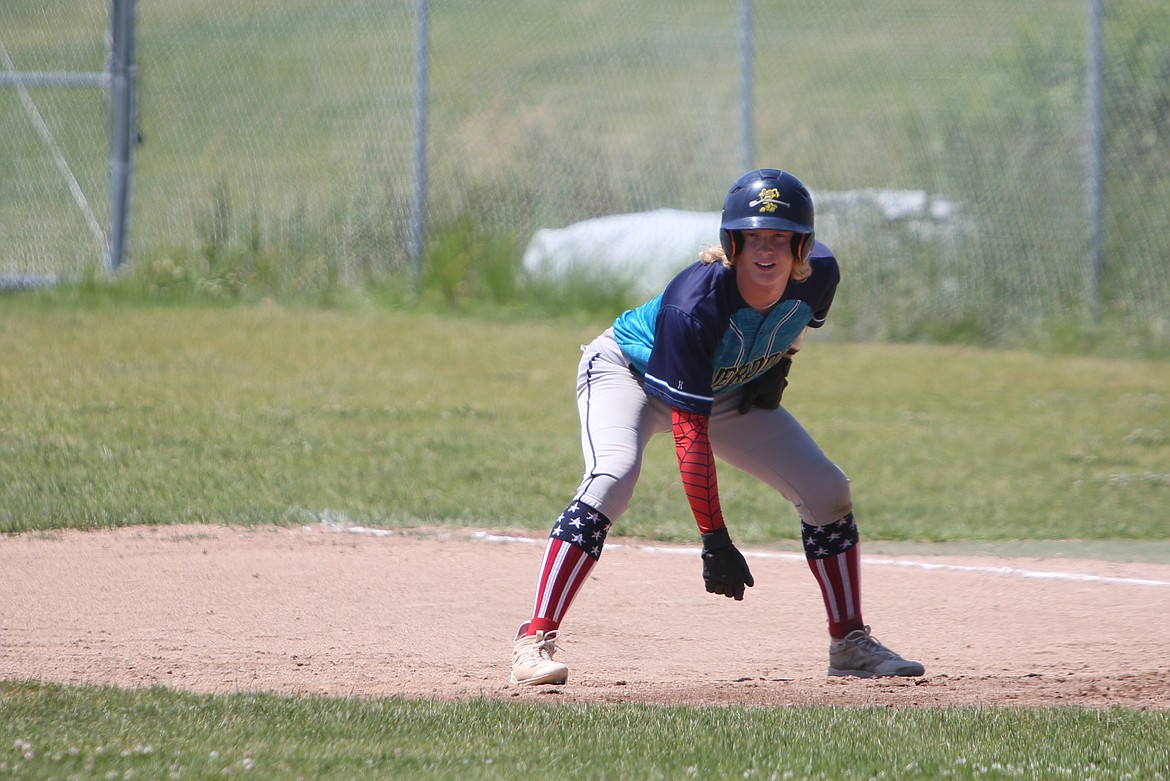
x=696 y=463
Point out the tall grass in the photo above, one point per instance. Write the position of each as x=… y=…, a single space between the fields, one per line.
x=279 y=167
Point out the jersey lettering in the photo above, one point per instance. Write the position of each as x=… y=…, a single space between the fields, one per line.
x=738 y=375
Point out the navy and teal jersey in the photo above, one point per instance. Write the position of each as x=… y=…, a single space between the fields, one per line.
x=699 y=338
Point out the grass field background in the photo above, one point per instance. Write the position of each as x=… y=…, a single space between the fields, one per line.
x=270 y=414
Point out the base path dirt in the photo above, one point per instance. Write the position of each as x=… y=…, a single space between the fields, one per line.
x=323 y=610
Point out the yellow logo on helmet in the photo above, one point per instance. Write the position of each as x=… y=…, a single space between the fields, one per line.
x=768 y=200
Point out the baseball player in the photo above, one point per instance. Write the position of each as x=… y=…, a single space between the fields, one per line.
x=707 y=360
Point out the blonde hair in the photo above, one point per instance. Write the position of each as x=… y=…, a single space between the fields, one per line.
x=711 y=254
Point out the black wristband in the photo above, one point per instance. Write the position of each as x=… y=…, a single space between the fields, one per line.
x=717 y=540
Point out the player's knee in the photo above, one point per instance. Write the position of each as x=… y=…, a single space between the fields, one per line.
x=837 y=486
x=609 y=494
x=831 y=500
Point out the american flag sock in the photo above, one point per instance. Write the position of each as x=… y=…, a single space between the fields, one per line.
x=834 y=559
x=574 y=546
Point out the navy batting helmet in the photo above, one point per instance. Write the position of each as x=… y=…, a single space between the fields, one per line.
x=768 y=199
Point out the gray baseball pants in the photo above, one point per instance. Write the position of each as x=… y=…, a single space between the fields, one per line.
x=618 y=419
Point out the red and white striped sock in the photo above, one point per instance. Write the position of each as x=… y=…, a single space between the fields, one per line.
x=574 y=546
x=835 y=561
x=563 y=572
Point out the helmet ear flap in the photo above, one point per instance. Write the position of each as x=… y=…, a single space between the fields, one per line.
x=732 y=241
x=802 y=246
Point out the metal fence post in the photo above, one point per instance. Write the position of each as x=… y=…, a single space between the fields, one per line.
x=419 y=203
x=123 y=126
x=1096 y=157
x=747 y=68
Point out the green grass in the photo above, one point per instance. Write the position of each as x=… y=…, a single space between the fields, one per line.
x=87 y=732
x=271 y=414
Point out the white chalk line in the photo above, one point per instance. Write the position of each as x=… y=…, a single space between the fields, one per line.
x=1015 y=572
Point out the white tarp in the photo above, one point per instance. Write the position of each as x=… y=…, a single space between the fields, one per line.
x=646 y=249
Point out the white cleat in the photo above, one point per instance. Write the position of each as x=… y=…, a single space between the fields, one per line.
x=532 y=659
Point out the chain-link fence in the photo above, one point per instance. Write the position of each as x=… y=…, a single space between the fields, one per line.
x=949 y=145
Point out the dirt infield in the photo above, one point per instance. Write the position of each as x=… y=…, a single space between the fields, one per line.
x=431 y=613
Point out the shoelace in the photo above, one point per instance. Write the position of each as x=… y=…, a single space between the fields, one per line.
x=542 y=649
x=872 y=645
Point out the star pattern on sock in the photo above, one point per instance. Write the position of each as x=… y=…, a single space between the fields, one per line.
x=584 y=527
x=822 y=542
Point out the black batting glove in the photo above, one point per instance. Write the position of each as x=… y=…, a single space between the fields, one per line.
x=766 y=390
x=725 y=571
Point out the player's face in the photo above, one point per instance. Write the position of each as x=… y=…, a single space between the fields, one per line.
x=766 y=257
